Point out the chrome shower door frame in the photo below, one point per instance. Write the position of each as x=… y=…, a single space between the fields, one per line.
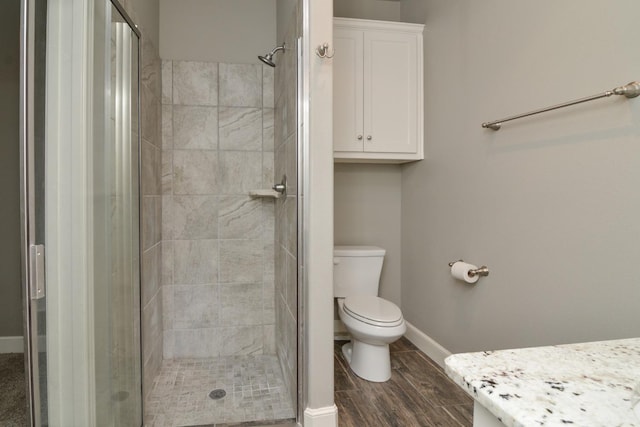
x=31 y=250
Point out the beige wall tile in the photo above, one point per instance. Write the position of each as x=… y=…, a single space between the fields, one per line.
x=152 y=332
x=268 y=175
x=240 y=85
x=195 y=261
x=195 y=217
x=195 y=83
x=240 y=172
x=269 y=334
x=167 y=82
x=268 y=303
x=149 y=104
x=240 y=128
x=267 y=86
x=151 y=264
x=151 y=169
x=241 y=340
x=205 y=197
x=167 y=307
x=196 y=343
x=267 y=129
x=195 y=127
x=195 y=172
x=241 y=304
x=167 y=218
x=240 y=217
x=149 y=222
x=167 y=172
x=167 y=127
x=240 y=261
x=196 y=306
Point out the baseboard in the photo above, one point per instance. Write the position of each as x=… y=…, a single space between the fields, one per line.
x=11 y=345
x=321 y=417
x=426 y=344
x=338 y=327
x=340 y=331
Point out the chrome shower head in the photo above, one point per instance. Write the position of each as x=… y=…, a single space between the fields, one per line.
x=268 y=58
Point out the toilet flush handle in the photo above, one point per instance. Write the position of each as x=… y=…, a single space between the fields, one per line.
x=336 y=261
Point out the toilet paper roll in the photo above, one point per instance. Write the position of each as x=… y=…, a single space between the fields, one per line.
x=460 y=270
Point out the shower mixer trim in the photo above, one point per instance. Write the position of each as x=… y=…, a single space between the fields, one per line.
x=282 y=187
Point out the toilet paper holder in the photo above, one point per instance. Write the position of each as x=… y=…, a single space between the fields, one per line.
x=481 y=271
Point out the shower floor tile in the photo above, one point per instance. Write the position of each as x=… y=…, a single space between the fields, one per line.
x=254 y=388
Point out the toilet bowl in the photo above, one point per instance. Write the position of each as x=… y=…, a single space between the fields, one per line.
x=373 y=324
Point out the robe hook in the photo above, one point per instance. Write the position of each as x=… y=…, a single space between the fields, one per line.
x=323 y=51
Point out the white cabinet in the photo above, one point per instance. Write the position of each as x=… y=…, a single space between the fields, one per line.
x=377 y=91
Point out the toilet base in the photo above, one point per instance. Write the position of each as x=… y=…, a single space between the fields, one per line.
x=369 y=362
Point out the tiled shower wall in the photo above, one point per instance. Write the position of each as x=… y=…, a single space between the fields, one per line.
x=286 y=208
x=218 y=262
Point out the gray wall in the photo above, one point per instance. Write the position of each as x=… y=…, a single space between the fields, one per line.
x=367 y=197
x=10 y=284
x=551 y=203
x=383 y=10
x=367 y=212
x=217 y=30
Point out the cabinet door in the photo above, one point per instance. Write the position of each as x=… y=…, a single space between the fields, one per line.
x=390 y=93
x=347 y=90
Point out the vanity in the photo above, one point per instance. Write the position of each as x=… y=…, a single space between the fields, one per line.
x=586 y=384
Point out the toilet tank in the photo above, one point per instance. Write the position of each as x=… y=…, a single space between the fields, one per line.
x=356 y=270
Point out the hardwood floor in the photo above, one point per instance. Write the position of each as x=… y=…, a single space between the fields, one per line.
x=419 y=393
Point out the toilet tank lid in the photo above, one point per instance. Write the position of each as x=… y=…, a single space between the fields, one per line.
x=358 y=251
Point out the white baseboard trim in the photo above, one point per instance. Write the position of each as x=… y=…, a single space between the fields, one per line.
x=321 y=417
x=340 y=332
x=426 y=344
x=11 y=345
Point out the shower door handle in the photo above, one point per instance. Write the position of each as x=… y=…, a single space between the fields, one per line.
x=36 y=271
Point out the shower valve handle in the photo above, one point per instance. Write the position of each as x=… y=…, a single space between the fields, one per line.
x=282 y=187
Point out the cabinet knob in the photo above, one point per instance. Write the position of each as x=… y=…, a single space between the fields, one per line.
x=369 y=137
x=359 y=137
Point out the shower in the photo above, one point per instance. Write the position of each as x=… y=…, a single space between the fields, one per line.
x=268 y=58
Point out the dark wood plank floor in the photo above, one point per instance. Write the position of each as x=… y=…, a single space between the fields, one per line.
x=419 y=393
x=13 y=396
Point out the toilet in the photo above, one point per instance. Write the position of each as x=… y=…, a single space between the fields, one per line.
x=372 y=322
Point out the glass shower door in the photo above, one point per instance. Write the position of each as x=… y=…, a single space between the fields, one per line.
x=116 y=219
x=79 y=187
x=32 y=145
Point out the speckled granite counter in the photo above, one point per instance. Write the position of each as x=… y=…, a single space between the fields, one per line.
x=588 y=384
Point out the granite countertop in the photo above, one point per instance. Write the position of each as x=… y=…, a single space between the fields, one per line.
x=587 y=384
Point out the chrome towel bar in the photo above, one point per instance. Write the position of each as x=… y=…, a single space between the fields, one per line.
x=630 y=90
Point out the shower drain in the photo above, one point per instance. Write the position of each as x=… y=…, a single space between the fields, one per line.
x=217 y=394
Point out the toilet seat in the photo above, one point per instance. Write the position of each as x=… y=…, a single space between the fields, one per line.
x=373 y=310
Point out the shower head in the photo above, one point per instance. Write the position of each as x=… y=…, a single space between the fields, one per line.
x=268 y=58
